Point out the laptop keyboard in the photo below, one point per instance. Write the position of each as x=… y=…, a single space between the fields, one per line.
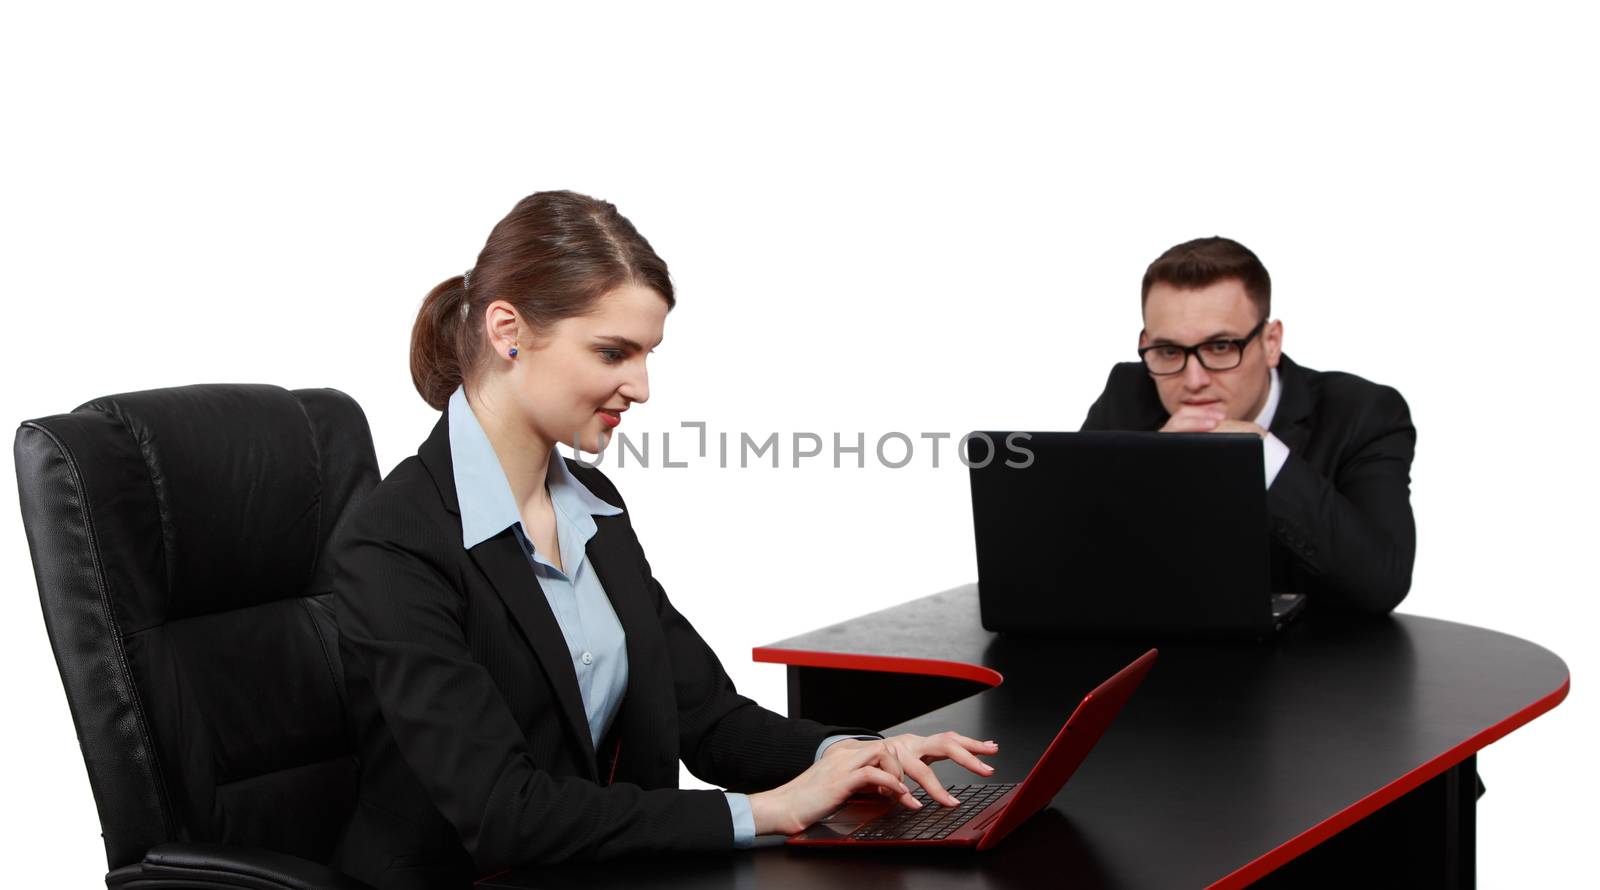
x=934 y=821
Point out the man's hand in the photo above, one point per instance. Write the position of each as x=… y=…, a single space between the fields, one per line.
x=1207 y=419
x=1239 y=426
x=1194 y=419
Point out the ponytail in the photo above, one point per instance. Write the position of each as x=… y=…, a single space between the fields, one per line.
x=436 y=343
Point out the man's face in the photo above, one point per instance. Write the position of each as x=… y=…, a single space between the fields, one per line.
x=1187 y=317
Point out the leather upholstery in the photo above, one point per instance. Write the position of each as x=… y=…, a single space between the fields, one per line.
x=225 y=867
x=177 y=539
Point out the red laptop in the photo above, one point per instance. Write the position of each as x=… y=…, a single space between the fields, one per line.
x=987 y=812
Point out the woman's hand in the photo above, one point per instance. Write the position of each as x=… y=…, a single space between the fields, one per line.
x=854 y=765
x=909 y=755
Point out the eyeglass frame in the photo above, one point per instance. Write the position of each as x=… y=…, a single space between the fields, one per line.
x=1238 y=342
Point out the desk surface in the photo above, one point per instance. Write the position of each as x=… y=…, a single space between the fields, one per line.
x=1229 y=761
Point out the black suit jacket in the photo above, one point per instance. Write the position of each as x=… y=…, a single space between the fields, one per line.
x=1340 y=509
x=475 y=751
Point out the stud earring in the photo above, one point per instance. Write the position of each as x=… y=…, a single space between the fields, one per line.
x=513 y=352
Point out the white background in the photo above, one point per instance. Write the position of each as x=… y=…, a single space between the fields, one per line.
x=916 y=217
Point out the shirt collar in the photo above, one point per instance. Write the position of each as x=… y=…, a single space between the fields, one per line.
x=487 y=505
x=1274 y=391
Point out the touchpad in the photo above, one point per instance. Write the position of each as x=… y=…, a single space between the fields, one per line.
x=860 y=809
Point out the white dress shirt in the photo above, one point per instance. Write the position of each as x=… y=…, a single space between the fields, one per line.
x=1272 y=448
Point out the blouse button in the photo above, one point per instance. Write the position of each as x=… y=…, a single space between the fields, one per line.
x=588 y=658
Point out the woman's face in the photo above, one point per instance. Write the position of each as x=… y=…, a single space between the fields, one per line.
x=572 y=384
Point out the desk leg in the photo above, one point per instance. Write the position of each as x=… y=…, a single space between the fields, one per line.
x=873 y=699
x=1427 y=838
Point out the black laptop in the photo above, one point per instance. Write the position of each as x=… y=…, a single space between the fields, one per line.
x=1117 y=534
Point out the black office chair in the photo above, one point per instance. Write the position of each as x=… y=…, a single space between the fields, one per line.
x=177 y=537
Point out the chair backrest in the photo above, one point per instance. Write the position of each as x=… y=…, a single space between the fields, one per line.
x=177 y=538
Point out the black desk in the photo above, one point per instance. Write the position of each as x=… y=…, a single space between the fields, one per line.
x=1340 y=752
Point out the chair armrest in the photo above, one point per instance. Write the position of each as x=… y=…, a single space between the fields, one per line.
x=227 y=867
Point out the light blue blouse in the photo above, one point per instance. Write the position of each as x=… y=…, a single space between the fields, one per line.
x=594 y=637
x=593 y=634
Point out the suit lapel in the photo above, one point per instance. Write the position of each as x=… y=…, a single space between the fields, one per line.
x=639 y=721
x=502 y=560
x=1292 y=422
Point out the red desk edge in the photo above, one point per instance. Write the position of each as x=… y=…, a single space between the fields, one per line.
x=1267 y=862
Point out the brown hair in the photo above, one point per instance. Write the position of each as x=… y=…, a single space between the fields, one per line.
x=552 y=257
x=1206 y=261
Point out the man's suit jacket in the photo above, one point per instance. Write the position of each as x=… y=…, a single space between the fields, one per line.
x=475 y=751
x=1339 y=511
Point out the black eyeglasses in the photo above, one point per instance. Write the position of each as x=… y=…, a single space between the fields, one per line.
x=1214 y=355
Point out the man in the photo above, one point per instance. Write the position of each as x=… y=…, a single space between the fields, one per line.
x=1338 y=448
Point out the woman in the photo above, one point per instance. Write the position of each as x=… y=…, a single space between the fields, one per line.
x=521 y=687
